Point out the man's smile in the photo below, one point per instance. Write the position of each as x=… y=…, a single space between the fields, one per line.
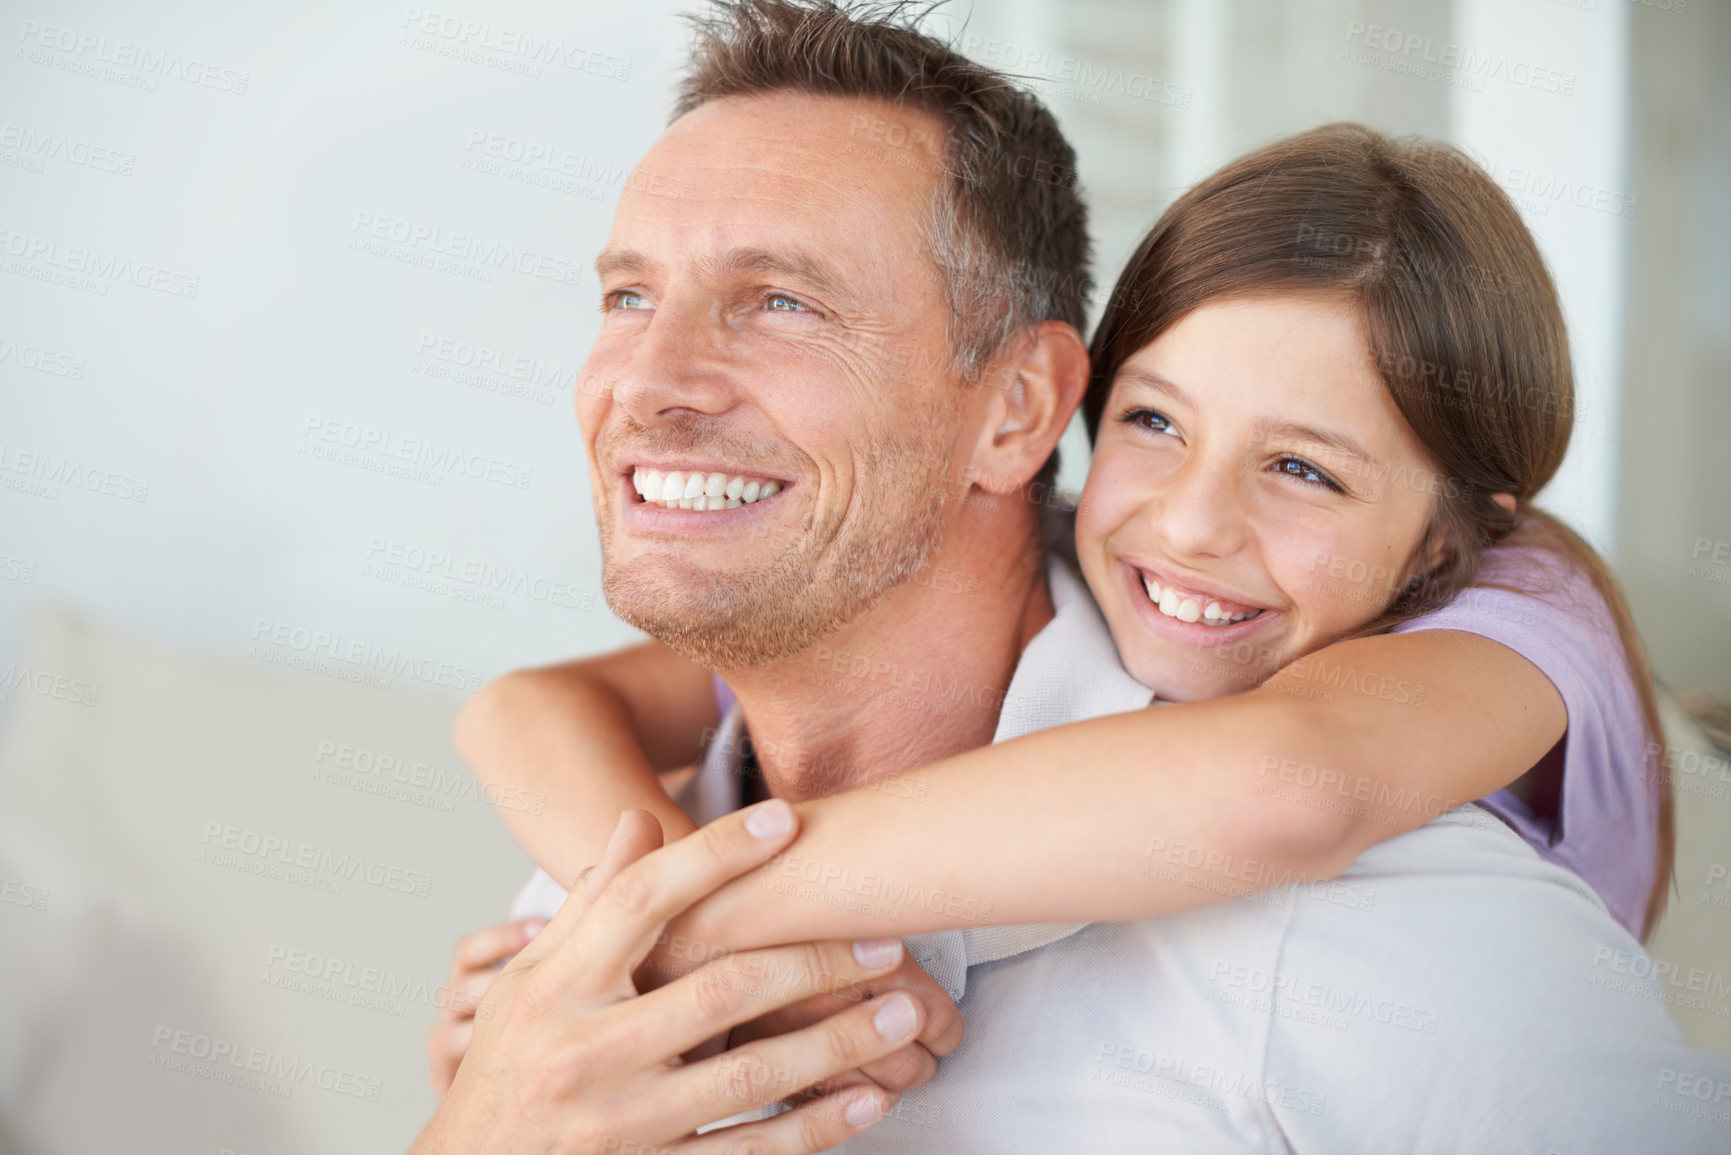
x=701 y=490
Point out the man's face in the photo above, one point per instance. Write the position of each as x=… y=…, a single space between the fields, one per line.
x=778 y=329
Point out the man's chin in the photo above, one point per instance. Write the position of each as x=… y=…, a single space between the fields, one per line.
x=712 y=621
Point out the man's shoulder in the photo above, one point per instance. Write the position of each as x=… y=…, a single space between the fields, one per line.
x=1465 y=838
x=1445 y=972
x=1464 y=866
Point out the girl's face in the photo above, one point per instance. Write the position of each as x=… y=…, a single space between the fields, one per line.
x=1254 y=494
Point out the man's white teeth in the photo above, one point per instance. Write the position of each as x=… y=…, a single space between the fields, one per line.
x=697 y=490
x=1174 y=605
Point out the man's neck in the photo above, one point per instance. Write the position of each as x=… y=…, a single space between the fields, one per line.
x=917 y=678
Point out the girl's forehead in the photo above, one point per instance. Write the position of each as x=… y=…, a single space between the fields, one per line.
x=1274 y=365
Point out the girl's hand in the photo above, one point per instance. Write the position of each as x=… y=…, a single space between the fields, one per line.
x=477 y=960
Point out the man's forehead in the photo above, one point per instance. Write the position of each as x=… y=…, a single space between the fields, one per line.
x=780 y=182
x=804 y=121
x=808 y=153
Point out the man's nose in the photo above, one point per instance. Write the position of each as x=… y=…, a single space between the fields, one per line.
x=1202 y=513
x=676 y=368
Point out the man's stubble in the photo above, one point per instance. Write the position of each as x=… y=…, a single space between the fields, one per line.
x=821 y=581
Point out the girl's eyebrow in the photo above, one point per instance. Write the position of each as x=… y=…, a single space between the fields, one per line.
x=1154 y=381
x=1294 y=430
x=1339 y=442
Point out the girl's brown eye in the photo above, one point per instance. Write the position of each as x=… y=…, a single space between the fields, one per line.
x=1150 y=419
x=1300 y=469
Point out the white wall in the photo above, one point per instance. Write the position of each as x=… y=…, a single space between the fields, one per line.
x=194 y=409
x=1545 y=108
x=201 y=405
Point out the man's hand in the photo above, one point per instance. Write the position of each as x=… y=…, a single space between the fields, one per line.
x=901 y=1070
x=567 y=1057
x=474 y=964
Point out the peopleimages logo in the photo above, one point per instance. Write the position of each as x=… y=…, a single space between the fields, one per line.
x=303 y=863
x=41 y=360
x=417 y=458
x=89 y=52
x=257 y=1068
x=38 y=146
x=1455 y=63
x=364 y=656
x=45 y=254
x=465 y=254
x=62 y=687
x=471 y=40
x=52 y=471
x=469 y=579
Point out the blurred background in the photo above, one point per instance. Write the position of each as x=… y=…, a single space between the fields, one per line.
x=293 y=307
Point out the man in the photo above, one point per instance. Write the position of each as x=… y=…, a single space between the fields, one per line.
x=860 y=295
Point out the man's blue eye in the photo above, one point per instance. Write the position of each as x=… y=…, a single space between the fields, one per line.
x=625 y=299
x=781 y=303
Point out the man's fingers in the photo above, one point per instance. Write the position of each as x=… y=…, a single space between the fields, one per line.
x=484 y=948
x=814 y=1126
x=636 y=834
x=903 y=1069
x=941 y=1034
x=619 y=928
x=454 y=1042
x=739 y=988
x=464 y=994
x=773 y=1069
x=447 y=1043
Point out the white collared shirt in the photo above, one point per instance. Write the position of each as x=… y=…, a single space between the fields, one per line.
x=1450 y=992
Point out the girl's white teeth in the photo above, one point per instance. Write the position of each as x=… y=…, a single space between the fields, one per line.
x=1173 y=605
x=697 y=490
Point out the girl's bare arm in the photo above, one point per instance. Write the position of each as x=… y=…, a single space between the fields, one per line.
x=1130 y=816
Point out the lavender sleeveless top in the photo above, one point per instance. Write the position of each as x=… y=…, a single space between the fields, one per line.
x=1605 y=828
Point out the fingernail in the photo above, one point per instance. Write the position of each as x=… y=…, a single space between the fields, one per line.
x=531 y=929
x=895 y=1019
x=770 y=819
x=877 y=952
x=863 y=1110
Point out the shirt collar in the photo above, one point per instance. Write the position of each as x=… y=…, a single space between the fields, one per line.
x=1068 y=672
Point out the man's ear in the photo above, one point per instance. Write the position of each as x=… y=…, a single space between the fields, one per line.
x=1033 y=392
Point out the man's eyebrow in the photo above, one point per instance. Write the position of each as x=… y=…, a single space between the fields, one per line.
x=804 y=266
x=1295 y=430
x=612 y=261
x=824 y=278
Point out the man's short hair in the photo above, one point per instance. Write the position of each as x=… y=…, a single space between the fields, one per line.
x=1008 y=229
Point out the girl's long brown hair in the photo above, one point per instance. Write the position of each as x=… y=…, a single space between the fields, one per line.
x=1464 y=326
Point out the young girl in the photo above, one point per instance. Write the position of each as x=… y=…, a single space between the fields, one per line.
x=1325 y=391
